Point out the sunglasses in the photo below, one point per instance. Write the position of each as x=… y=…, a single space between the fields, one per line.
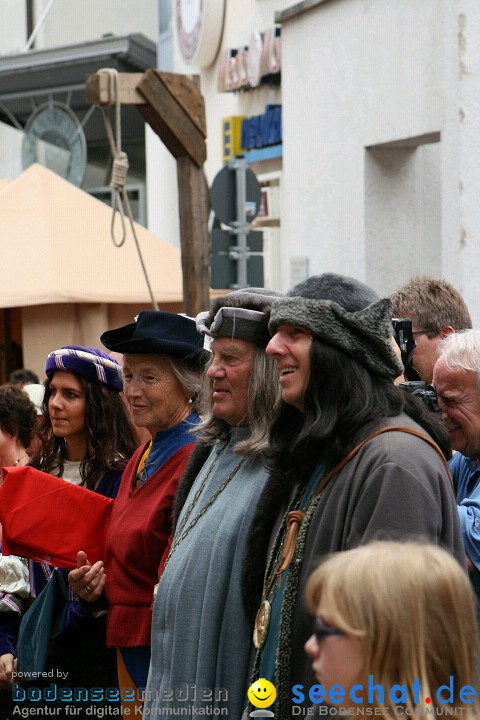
x=321 y=631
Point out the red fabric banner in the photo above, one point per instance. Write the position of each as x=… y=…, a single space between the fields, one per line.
x=49 y=519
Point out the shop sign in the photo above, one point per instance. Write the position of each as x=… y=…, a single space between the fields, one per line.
x=240 y=134
x=262 y=130
x=248 y=66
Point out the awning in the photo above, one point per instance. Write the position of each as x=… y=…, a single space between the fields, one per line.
x=56 y=248
x=30 y=79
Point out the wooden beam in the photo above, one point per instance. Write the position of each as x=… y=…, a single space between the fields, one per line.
x=97 y=89
x=193 y=211
x=185 y=89
x=170 y=117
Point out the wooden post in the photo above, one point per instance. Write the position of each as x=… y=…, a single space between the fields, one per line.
x=174 y=108
x=193 y=209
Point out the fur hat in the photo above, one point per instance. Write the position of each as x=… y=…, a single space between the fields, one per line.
x=240 y=314
x=348 y=292
x=364 y=333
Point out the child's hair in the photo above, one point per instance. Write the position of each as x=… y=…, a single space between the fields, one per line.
x=411 y=608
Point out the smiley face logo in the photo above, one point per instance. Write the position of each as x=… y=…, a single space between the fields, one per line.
x=262 y=693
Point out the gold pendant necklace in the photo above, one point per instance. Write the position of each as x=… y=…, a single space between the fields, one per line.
x=293 y=522
x=262 y=623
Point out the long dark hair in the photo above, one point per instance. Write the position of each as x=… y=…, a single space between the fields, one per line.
x=110 y=436
x=341 y=397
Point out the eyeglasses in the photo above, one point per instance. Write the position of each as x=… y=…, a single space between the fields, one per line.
x=422 y=332
x=321 y=631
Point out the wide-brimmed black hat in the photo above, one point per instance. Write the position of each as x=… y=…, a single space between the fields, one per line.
x=158 y=332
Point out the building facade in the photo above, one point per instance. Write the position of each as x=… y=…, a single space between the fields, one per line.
x=383 y=178
x=379 y=174
x=375 y=172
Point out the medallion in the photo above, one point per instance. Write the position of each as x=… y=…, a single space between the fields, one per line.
x=262 y=623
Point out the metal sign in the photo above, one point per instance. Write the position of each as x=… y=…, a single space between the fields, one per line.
x=236 y=197
x=223 y=195
x=223 y=267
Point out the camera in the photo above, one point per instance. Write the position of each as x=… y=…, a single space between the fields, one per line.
x=402 y=332
x=424 y=391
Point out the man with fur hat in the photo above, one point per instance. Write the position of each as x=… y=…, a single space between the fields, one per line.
x=352 y=458
x=201 y=634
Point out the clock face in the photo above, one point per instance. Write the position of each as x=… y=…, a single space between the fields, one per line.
x=199 y=29
x=191 y=14
x=55 y=139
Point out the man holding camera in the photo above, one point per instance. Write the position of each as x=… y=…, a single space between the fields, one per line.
x=436 y=310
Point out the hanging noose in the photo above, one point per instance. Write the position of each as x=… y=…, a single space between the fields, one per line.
x=119 y=175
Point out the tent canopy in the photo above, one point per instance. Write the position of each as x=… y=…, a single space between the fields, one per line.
x=56 y=248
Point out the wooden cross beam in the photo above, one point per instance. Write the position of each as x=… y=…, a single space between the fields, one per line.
x=174 y=107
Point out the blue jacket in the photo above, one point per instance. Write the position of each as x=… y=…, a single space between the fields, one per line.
x=466 y=475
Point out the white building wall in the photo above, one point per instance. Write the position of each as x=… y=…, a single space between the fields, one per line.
x=367 y=74
x=75 y=21
x=13 y=26
x=241 y=18
x=381 y=110
x=462 y=244
x=381 y=158
x=10 y=151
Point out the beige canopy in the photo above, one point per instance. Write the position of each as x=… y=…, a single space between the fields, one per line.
x=56 y=248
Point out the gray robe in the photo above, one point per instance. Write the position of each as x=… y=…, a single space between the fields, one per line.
x=201 y=637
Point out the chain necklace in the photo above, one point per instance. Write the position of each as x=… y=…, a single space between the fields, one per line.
x=283 y=552
x=18 y=460
x=185 y=531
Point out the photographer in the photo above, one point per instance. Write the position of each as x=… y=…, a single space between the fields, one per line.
x=436 y=310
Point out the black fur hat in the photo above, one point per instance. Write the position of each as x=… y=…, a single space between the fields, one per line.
x=364 y=332
x=348 y=292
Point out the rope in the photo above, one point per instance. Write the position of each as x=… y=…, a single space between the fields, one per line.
x=119 y=175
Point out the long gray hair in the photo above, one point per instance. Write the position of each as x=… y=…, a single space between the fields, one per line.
x=263 y=398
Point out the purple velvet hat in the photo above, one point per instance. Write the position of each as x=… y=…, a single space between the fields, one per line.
x=88 y=363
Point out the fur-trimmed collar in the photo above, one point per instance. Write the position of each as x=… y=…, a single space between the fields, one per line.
x=272 y=502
